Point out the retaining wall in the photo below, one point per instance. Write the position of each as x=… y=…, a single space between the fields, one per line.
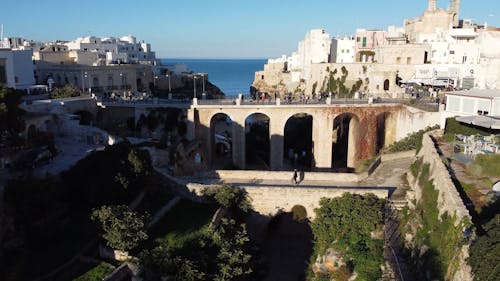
x=449 y=199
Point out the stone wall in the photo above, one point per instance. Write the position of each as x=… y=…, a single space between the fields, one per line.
x=449 y=200
x=413 y=120
x=270 y=200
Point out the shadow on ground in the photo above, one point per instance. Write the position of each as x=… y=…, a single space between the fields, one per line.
x=286 y=245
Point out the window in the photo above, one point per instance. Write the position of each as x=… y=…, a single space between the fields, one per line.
x=386 y=85
x=464 y=59
x=452 y=52
x=347 y=51
x=398 y=60
x=408 y=60
x=262 y=77
x=95 y=81
x=358 y=39
x=364 y=42
x=342 y=51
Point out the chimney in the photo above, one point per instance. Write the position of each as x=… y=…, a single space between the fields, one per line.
x=432 y=5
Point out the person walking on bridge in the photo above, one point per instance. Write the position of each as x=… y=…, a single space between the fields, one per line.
x=294 y=177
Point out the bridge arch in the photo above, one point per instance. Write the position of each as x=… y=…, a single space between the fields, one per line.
x=298 y=141
x=345 y=139
x=257 y=141
x=221 y=136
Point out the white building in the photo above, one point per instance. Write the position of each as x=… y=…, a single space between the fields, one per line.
x=16 y=68
x=472 y=103
x=342 y=50
x=114 y=50
x=315 y=48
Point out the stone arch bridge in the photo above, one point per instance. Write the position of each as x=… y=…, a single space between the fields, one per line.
x=369 y=126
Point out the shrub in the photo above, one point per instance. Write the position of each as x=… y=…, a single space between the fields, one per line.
x=66 y=91
x=416 y=166
x=347 y=223
x=484 y=258
x=441 y=235
x=122 y=228
x=299 y=213
x=412 y=141
x=454 y=127
x=229 y=197
x=485 y=165
x=99 y=272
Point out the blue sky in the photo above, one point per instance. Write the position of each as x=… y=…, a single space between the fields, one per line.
x=216 y=28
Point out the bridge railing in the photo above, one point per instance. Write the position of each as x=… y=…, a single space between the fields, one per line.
x=150 y=101
x=424 y=104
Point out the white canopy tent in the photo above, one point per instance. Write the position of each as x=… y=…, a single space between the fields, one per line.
x=489 y=122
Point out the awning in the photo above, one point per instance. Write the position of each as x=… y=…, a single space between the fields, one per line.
x=481 y=121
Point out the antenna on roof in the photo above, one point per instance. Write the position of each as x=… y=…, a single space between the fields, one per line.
x=1 y=35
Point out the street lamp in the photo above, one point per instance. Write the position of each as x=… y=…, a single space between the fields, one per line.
x=194 y=87
x=121 y=79
x=169 y=88
x=203 y=77
x=83 y=82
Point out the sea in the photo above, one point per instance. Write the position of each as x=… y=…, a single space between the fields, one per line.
x=232 y=76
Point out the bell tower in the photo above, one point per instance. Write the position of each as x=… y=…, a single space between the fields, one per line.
x=455 y=9
x=432 y=5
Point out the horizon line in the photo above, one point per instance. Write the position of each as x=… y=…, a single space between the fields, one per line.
x=216 y=58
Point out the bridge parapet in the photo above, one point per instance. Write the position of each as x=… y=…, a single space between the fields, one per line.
x=271 y=192
x=270 y=199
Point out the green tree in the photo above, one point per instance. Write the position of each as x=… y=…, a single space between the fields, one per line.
x=122 y=228
x=232 y=259
x=220 y=254
x=229 y=197
x=347 y=223
x=67 y=91
x=484 y=258
x=11 y=116
x=118 y=175
x=140 y=160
